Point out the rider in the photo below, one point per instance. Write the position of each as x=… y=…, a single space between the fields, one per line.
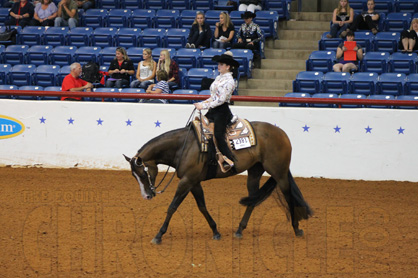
x=219 y=113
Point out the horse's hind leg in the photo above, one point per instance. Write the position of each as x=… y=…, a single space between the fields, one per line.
x=199 y=196
x=253 y=183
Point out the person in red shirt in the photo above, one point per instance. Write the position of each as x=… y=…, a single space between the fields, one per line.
x=73 y=83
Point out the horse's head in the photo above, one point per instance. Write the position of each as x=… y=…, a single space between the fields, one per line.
x=144 y=175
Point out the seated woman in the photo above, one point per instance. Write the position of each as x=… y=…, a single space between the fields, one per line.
x=347 y=64
x=368 y=20
x=45 y=13
x=160 y=88
x=224 y=32
x=170 y=66
x=341 y=18
x=200 y=34
x=408 y=41
x=250 y=5
x=20 y=14
x=120 y=70
x=145 y=73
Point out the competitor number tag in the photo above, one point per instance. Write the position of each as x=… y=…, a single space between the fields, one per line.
x=241 y=143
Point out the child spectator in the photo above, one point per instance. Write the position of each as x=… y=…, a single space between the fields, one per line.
x=160 y=88
x=347 y=64
x=200 y=34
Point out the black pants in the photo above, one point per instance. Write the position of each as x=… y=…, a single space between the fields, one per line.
x=410 y=35
x=362 y=23
x=198 y=39
x=221 y=116
x=48 y=22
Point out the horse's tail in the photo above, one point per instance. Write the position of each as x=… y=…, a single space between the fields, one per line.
x=263 y=193
x=298 y=204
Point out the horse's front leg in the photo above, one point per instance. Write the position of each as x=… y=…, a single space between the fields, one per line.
x=181 y=193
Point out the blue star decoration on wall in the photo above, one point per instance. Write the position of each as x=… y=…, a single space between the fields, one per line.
x=70 y=121
x=337 y=129
x=128 y=122
x=401 y=130
x=368 y=129
x=305 y=128
x=157 y=124
x=99 y=121
x=42 y=120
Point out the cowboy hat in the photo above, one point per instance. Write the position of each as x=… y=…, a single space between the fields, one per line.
x=226 y=58
x=248 y=14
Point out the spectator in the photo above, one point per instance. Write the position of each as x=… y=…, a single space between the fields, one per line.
x=67 y=14
x=224 y=31
x=368 y=20
x=9 y=3
x=145 y=73
x=170 y=66
x=86 y=4
x=160 y=88
x=409 y=38
x=342 y=17
x=200 y=34
x=249 y=6
x=120 y=70
x=73 y=83
x=344 y=64
x=45 y=13
x=20 y=14
x=249 y=36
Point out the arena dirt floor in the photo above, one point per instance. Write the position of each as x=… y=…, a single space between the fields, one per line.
x=85 y=223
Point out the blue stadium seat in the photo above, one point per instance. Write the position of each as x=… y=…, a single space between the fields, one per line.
x=104 y=90
x=308 y=82
x=336 y=83
x=384 y=6
x=268 y=22
x=358 y=5
x=324 y=95
x=154 y=4
x=364 y=83
x=406 y=6
x=194 y=77
x=295 y=95
x=133 y=91
x=80 y=36
x=56 y=36
x=187 y=18
x=2 y=49
x=212 y=16
x=94 y=18
x=63 y=72
x=127 y=37
x=31 y=35
x=135 y=54
x=187 y=57
x=108 y=4
x=131 y=4
x=176 y=37
x=4 y=15
x=184 y=92
x=156 y=53
x=166 y=19
x=204 y=93
x=329 y=44
x=21 y=75
x=15 y=54
x=46 y=75
x=29 y=88
x=8 y=87
x=364 y=39
x=51 y=88
x=11 y=41
x=142 y=18
x=86 y=54
x=223 y=5
x=386 y=41
x=103 y=36
x=245 y=58
x=391 y=84
x=375 y=62
x=414 y=98
x=411 y=84
x=106 y=55
x=118 y=18
x=39 y=54
x=403 y=62
x=380 y=97
x=282 y=7
x=178 y=4
x=205 y=59
x=236 y=19
x=202 y=5
x=63 y=55
x=397 y=22
x=320 y=60
x=4 y=73
x=182 y=79
x=152 y=37
x=352 y=96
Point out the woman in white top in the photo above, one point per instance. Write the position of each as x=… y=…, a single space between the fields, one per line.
x=145 y=73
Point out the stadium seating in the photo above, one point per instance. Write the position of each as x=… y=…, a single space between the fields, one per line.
x=4 y=73
x=154 y=4
x=244 y=57
x=157 y=51
x=46 y=75
x=51 y=88
x=380 y=97
x=186 y=18
x=178 y=4
x=29 y=88
x=212 y=16
x=411 y=84
x=236 y=18
x=386 y=41
x=4 y=15
x=80 y=36
x=127 y=37
x=205 y=59
x=187 y=57
x=104 y=90
x=106 y=55
x=352 y=96
x=135 y=54
x=194 y=77
x=384 y=6
x=176 y=37
x=131 y=4
x=324 y=105
x=329 y=44
x=320 y=61
x=282 y=7
x=64 y=71
x=308 y=82
x=268 y=21
x=15 y=54
x=375 y=62
x=397 y=22
x=8 y=87
x=152 y=37
x=414 y=98
x=406 y=6
x=95 y=18
x=142 y=18
x=38 y=54
x=133 y=91
x=62 y=55
x=103 y=36
x=363 y=83
x=184 y=92
x=364 y=39
x=391 y=84
x=31 y=35
x=118 y=18
x=56 y=36
x=202 y=5
x=86 y=54
x=336 y=83
x=166 y=19
x=21 y=75
x=403 y=62
x=295 y=95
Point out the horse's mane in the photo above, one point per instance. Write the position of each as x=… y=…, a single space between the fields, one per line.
x=168 y=134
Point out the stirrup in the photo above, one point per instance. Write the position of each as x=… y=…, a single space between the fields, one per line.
x=224 y=163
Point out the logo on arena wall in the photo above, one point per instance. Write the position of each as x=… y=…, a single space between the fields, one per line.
x=10 y=127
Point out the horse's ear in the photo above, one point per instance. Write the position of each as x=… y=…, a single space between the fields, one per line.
x=127 y=158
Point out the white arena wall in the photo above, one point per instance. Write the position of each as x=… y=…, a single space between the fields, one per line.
x=368 y=144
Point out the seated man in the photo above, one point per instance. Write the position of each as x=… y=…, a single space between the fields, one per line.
x=67 y=14
x=345 y=63
x=73 y=83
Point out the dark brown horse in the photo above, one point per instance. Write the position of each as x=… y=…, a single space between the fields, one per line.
x=180 y=149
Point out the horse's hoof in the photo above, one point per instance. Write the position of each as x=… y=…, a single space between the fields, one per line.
x=238 y=235
x=299 y=233
x=216 y=237
x=156 y=241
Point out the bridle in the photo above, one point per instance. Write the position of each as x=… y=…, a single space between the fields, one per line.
x=152 y=187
